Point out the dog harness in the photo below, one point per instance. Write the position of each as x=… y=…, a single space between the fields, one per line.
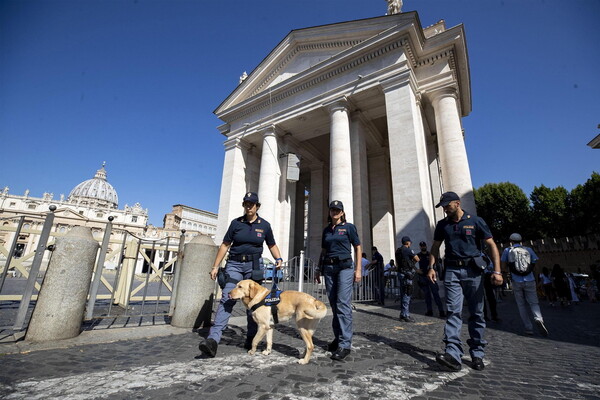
x=272 y=300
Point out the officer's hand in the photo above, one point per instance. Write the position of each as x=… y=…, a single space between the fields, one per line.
x=357 y=277
x=278 y=264
x=432 y=275
x=213 y=273
x=497 y=279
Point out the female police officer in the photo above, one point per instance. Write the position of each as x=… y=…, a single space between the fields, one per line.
x=336 y=265
x=244 y=239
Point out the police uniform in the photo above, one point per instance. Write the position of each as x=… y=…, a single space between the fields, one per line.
x=246 y=240
x=338 y=270
x=462 y=280
x=405 y=278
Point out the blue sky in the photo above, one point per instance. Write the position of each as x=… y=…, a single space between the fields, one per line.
x=134 y=83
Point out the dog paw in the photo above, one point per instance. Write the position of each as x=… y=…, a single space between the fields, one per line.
x=302 y=361
x=266 y=352
x=251 y=352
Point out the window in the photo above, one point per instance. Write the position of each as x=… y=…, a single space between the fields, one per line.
x=134 y=218
x=99 y=215
x=80 y=212
x=12 y=204
x=31 y=206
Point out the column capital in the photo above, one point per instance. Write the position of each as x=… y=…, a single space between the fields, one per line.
x=438 y=94
x=339 y=104
x=403 y=78
x=271 y=130
x=236 y=143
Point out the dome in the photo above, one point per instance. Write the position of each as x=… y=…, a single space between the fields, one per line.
x=96 y=191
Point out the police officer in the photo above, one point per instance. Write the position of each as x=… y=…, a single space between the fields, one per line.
x=462 y=233
x=429 y=288
x=244 y=239
x=406 y=261
x=337 y=267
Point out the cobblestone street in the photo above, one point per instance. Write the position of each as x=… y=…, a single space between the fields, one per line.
x=390 y=360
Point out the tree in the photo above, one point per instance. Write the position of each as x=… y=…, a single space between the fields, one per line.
x=505 y=208
x=584 y=207
x=550 y=211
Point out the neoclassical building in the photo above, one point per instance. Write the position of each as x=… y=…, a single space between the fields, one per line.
x=367 y=112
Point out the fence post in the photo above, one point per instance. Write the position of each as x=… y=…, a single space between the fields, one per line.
x=301 y=272
x=127 y=271
x=193 y=303
x=61 y=302
x=176 y=270
x=99 y=269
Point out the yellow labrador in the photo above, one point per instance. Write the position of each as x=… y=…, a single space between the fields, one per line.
x=308 y=311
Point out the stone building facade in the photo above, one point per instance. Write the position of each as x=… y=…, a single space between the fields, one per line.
x=367 y=112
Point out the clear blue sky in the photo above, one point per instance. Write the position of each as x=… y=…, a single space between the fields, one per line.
x=134 y=83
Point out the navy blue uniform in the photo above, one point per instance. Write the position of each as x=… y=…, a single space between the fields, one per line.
x=461 y=280
x=247 y=238
x=338 y=271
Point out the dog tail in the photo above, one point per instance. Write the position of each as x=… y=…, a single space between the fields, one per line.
x=319 y=311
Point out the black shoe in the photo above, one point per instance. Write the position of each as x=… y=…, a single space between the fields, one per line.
x=248 y=343
x=208 y=347
x=340 y=354
x=477 y=364
x=429 y=313
x=443 y=315
x=448 y=361
x=406 y=319
x=541 y=327
x=333 y=346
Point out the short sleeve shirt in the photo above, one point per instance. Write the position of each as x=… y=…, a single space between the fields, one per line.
x=521 y=278
x=247 y=238
x=339 y=239
x=424 y=261
x=462 y=238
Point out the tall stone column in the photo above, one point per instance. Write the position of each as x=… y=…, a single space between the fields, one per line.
x=454 y=163
x=411 y=183
x=233 y=185
x=316 y=210
x=360 y=180
x=340 y=156
x=270 y=173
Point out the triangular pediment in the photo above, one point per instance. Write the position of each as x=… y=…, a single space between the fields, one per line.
x=68 y=213
x=304 y=49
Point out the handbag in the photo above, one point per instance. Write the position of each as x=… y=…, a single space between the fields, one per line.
x=479 y=263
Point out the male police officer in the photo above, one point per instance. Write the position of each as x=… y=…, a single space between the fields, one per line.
x=462 y=234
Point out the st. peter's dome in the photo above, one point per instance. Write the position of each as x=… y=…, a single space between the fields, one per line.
x=95 y=192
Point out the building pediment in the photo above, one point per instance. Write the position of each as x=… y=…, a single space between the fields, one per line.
x=304 y=49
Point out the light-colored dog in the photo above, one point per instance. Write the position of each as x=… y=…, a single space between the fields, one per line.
x=308 y=311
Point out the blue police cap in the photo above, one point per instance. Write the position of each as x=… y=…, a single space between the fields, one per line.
x=337 y=204
x=447 y=198
x=251 y=197
x=405 y=239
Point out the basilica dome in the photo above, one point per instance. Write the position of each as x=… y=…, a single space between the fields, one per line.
x=95 y=192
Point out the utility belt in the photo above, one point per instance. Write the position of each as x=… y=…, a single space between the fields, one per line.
x=335 y=260
x=478 y=263
x=244 y=257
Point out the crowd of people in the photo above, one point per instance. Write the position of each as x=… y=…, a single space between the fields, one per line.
x=472 y=272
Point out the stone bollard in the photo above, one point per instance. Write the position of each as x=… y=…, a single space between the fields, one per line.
x=193 y=303
x=62 y=298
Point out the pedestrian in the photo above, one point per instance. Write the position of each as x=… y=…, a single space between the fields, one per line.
x=365 y=276
x=430 y=289
x=337 y=267
x=389 y=274
x=561 y=285
x=490 y=292
x=545 y=280
x=520 y=261
x=462 y=234
x=377 y=277
x=406 y=260
x=244 y=239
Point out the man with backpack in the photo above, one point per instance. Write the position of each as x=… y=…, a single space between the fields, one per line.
x=521 y=260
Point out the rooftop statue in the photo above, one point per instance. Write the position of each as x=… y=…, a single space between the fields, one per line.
x=394 y=7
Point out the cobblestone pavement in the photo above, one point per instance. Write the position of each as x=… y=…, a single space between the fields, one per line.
x=390 y=360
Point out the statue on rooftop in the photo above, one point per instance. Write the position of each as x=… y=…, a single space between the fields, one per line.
x=394 y=7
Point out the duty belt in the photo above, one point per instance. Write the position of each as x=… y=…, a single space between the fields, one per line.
x=244 y=257
x=459 y=262
x=334 y=260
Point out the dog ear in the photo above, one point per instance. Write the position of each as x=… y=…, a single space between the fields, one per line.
x=252 y=289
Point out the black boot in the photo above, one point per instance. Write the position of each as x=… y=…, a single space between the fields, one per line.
x=208 y=347
x=333 y=346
